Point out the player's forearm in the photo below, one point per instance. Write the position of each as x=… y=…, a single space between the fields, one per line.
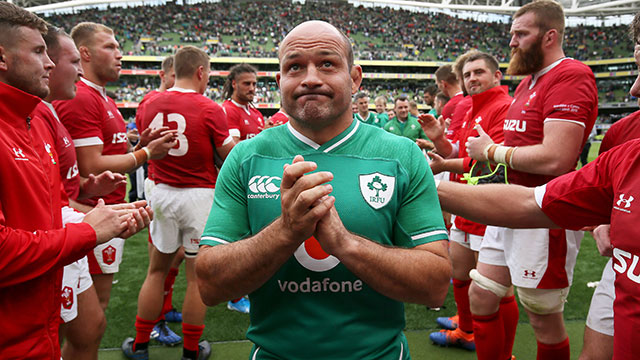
x=443 y=146
x=123 y=163
x=233 y=270
x=413 y=275
x=540 y=159
x=453 y=165
x=511 y=206
x=80 y=207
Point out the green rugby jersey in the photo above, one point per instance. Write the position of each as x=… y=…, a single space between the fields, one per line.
x=372 y=119
x=314 y=307
x=410 y=129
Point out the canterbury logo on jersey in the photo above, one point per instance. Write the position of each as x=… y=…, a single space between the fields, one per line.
x=624 y=203
x=264 y=187
x=621 y=265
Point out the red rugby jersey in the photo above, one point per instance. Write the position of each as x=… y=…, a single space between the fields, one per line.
x=93 y=118
x=243 y=121
x=202 y=127
x=563 y=91
x=606 y=191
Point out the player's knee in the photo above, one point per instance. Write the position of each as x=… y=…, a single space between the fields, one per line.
x=485 y=294
x=543 y=301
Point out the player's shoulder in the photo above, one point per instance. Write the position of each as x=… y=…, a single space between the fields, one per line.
x=574 y=69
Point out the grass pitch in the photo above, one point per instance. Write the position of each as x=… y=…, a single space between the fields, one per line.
x=226 y=329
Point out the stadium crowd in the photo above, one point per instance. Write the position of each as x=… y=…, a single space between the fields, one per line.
x=290 y=225
x=252 y=29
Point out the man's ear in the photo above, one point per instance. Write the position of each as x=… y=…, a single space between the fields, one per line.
x=356 y=78
x=85 y=54
x=3 y=59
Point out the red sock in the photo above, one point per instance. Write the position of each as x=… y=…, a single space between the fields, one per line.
x=559 y=351
x=192 y=334
x=510 y=314
x=168 y=290
x=489 y=336
x=461 y=295
x=143 y=330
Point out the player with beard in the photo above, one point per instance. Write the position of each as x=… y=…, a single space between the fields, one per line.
x=552 y=114
x=245 y=121
x=98 y=132
x=327 y=266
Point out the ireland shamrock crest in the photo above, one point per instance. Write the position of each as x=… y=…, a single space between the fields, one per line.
x=377 y=189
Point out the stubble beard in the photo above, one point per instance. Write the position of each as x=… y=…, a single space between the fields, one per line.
x=30 y=84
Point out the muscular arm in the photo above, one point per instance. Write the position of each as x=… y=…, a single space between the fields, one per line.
x=418 y=275
x=91 y=161
x=233 y=270
x=511 y=206
x=556 y=155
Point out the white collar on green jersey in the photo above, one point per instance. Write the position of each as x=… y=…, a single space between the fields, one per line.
x=331 y=144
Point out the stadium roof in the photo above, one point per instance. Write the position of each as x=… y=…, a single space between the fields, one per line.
x=582 y=8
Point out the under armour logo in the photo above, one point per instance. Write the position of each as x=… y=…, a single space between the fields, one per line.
x=626 y=202
x=528 y=273
x=19 y=153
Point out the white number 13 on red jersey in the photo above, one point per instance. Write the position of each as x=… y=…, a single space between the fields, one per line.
x=183 y=144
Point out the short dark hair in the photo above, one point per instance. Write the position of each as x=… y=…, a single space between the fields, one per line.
x=227 y=88
x=442 y=97
x=52 y=39
x=445 y=73
x=490 y=60
x=361 y=95
x=167 y=63
x=401 y=97
x=431 y=89
x=548 y=13
x=12 y=17
x=188 y=59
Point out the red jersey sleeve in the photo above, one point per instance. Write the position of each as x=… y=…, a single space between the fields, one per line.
x=233 y=121
x=573 y=97
x=581 y=198
x=216 y=121
x=82 y=116
x=29 y=254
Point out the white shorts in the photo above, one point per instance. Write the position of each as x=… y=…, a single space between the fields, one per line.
x=148 y=189
x=600 y=316
x=75 y=280
x=537 y=258
x=467 y=240
x=180 y=215
x=106 y=258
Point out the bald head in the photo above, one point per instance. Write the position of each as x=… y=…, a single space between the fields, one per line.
x=317 y=29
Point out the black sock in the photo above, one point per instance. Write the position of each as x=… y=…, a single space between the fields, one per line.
x=140 y=346
x=189 y=354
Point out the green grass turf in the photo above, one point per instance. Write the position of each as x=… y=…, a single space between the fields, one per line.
x=225 y=328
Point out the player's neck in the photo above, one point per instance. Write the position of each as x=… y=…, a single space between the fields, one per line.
x=323 y=133
x=238 y=101
x=552 y=56
x=91 y=76
x=187 y=84
x=364 y=115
